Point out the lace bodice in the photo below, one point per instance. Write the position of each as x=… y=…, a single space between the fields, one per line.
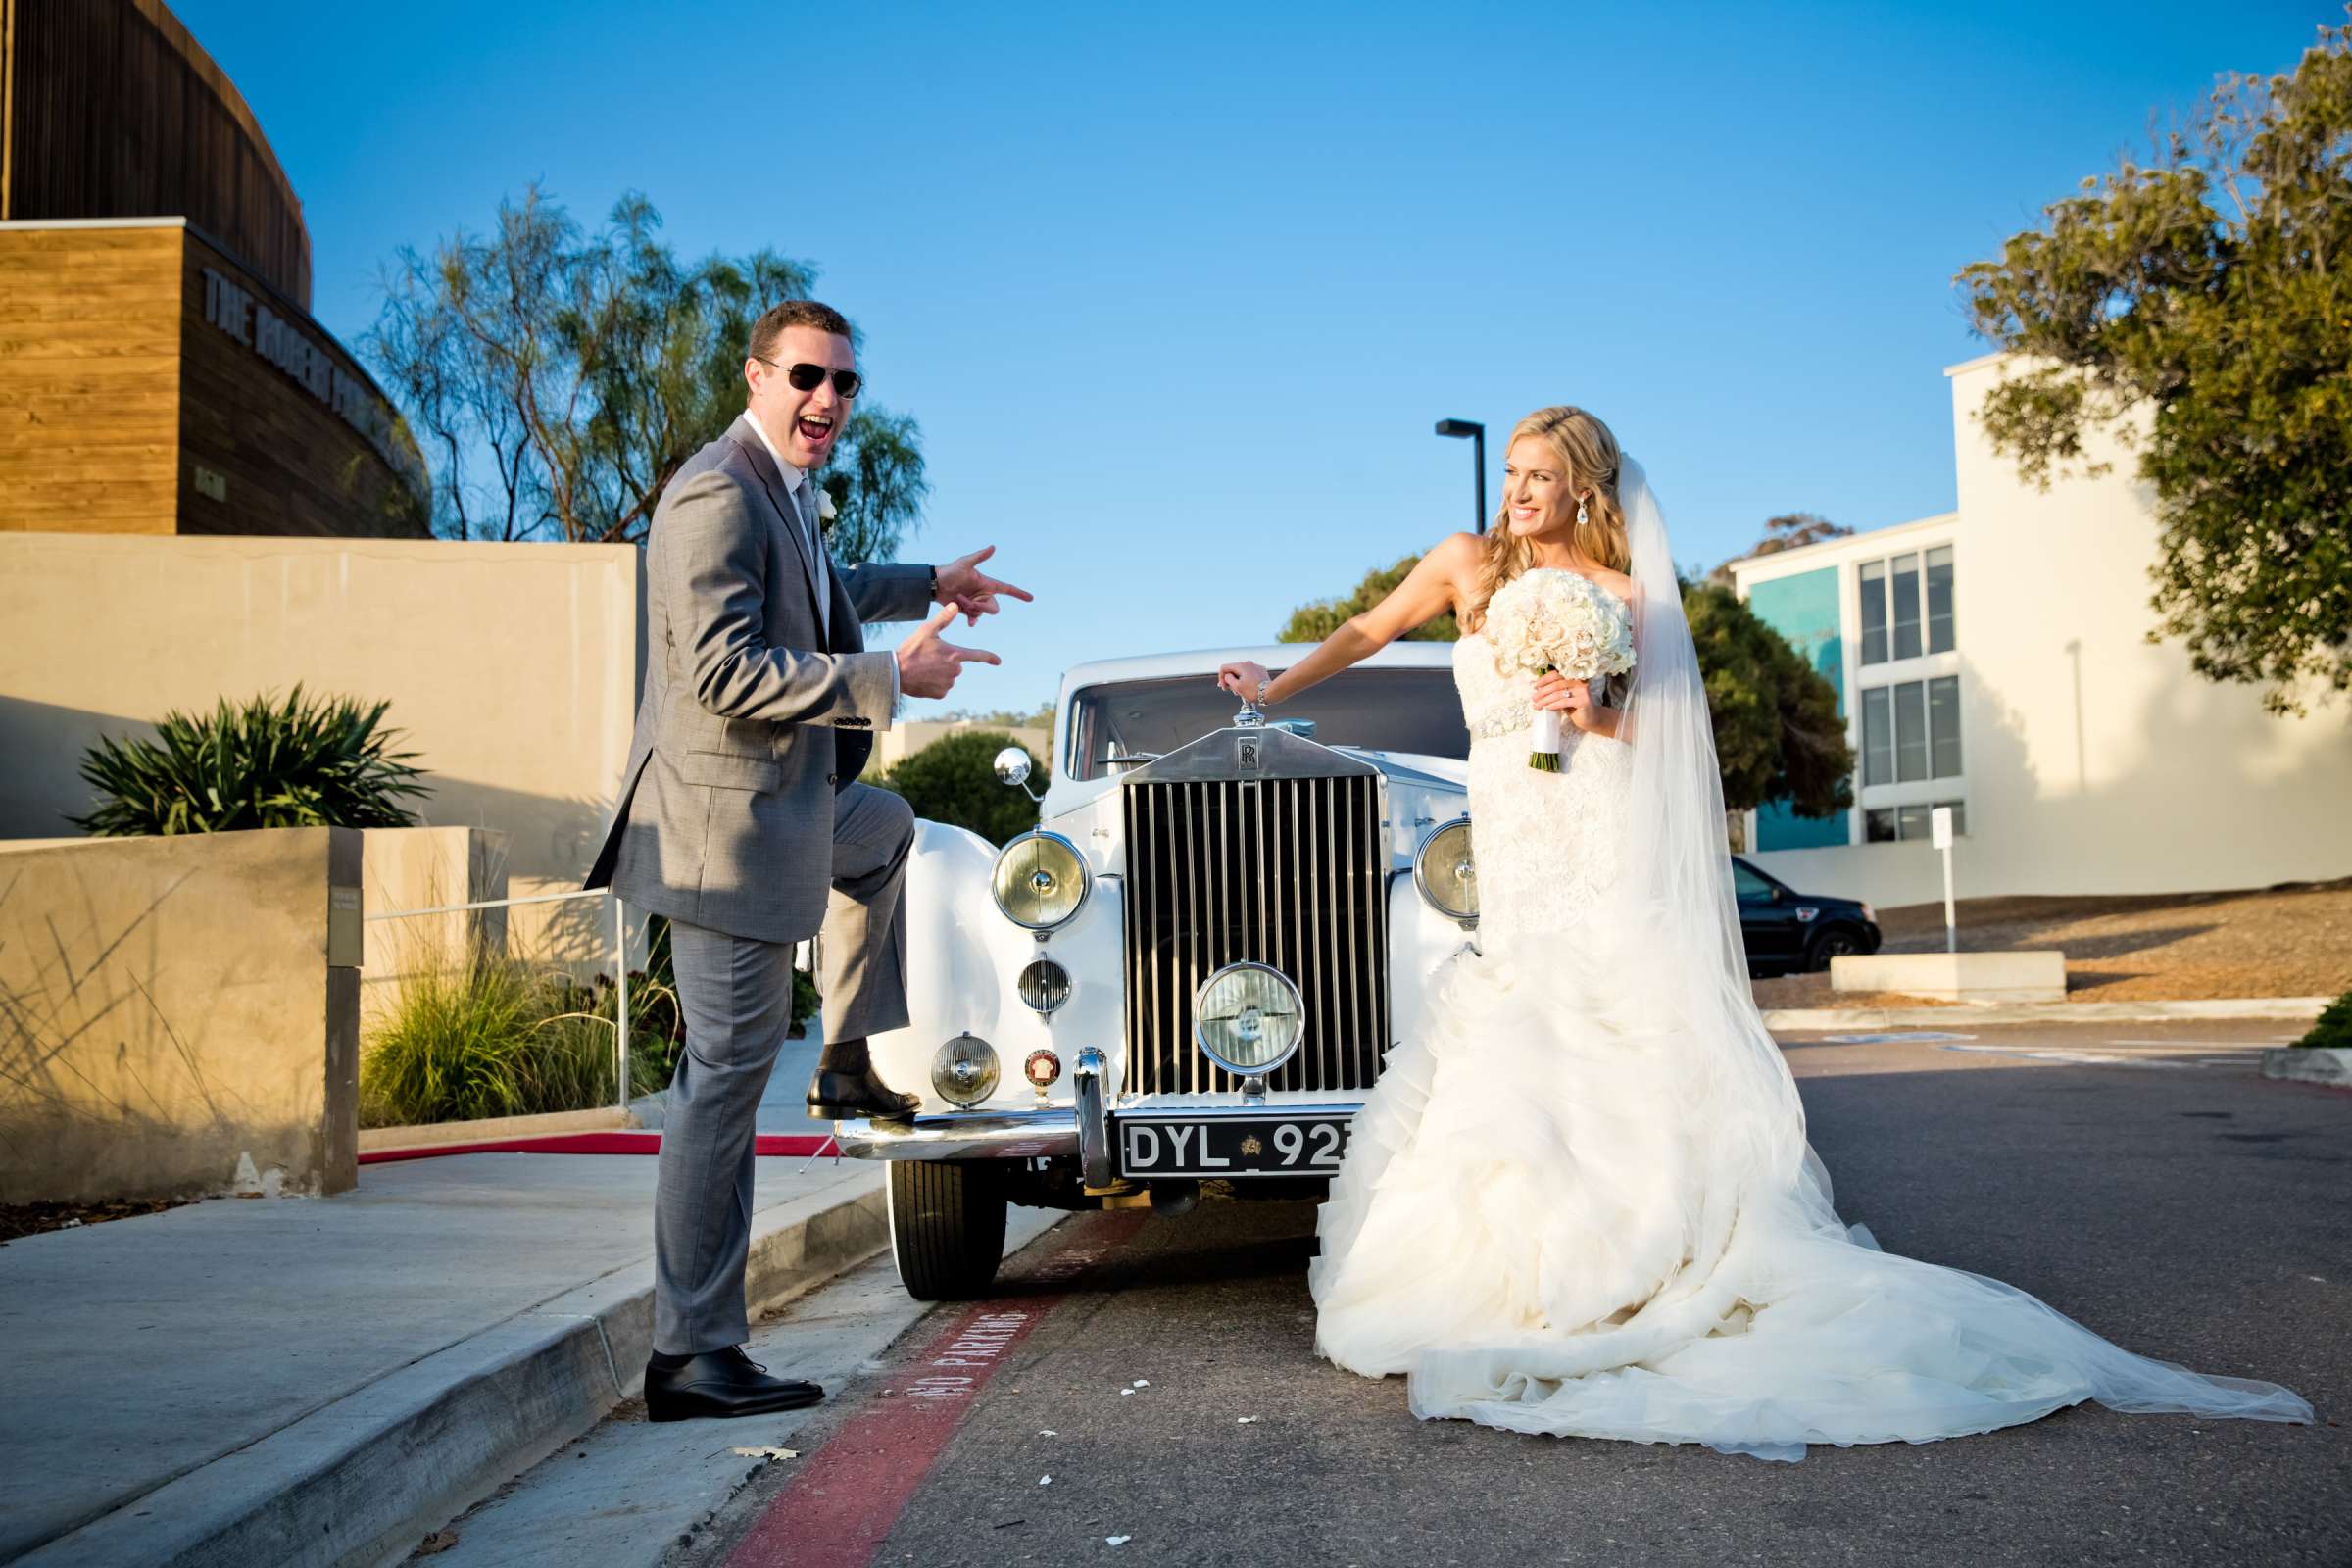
x=1548 y=844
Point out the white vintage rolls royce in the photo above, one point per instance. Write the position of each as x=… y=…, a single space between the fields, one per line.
x=1189 y=973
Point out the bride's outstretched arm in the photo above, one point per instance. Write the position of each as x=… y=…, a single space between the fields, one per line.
x=1429 y=590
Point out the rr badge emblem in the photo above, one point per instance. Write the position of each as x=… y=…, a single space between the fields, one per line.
x=1247 y=758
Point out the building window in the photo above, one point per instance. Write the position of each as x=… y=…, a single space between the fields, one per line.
x=1874 y=612
x=1878 y=737
x=1944 y=724
x=1904 y=824
x=1939 y=599
x=1905 y=578
x=1906 y=604
x=1911 y=731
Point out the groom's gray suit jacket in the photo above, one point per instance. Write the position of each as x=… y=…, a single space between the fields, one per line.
x=752 y=716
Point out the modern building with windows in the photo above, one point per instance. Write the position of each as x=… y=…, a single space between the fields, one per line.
x=1996 y=660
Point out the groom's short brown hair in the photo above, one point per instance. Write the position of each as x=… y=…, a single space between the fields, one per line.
x=794 y=313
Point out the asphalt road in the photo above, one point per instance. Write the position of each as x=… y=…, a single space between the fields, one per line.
x=2143 y=1179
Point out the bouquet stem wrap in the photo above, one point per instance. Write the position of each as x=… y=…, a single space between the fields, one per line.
x=1544 y=755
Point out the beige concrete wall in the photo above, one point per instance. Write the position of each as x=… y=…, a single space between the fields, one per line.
x=511 y=669
x=895 y=744
x=180 y=1016
x=426 y=868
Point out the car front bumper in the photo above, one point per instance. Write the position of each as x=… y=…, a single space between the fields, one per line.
x=964 y=1135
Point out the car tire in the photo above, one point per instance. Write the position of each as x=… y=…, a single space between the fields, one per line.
x=1837 y=942
x=947 y=1228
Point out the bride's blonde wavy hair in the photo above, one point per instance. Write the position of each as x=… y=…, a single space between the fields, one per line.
x=1588 y=454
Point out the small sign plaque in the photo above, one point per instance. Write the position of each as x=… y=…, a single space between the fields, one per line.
x=1940 y=827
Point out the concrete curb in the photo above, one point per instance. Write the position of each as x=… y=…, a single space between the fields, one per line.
x=360 y=1480
x=1962 y=1015
x=2310 y=1064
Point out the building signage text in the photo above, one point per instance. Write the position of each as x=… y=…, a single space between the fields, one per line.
x=234 y=309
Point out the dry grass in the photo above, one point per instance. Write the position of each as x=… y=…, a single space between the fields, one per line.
x=2290 y=941
x=19 y=1220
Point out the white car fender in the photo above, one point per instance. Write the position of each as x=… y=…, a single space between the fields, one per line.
x=964 y=959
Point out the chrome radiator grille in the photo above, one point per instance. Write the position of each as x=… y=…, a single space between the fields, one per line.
x=1287 y=872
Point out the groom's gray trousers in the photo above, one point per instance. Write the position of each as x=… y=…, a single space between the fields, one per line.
x=736 y=995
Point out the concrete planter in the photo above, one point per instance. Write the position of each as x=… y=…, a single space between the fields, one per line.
x=434 y=1135
x=183 y=1016
x=2310 y=1064
x=1983 y=977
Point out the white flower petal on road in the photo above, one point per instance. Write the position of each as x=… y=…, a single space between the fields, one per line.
x=1126 y=1390
x=1243 y=1420
x=1049 y=1433
x=1045 y=1481
x=1142 y=1383
x=768 y=1453
x=1116 y=1540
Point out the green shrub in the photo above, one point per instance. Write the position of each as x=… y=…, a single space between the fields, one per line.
x=300 y=762
x=2333 y=1026
x=493 y=1038
x=953 y=780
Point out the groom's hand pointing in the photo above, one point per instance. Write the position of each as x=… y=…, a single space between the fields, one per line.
x=973 y=593
x=927 y=667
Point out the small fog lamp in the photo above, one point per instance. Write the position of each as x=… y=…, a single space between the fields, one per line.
x=1045 y=985
x=966 y=1071
x=1249 y=1018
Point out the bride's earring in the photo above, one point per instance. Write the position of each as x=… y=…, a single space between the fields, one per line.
x=1583 y=516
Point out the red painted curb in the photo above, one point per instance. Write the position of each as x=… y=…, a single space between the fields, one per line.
x=633 y=1143
x=842 y=1504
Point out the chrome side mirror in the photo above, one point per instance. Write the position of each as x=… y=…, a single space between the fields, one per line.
x=1013 y=771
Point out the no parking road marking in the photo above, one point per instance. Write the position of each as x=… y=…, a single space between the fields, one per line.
x=844 y=1501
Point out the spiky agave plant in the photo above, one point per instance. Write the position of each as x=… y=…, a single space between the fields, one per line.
x=300 y=762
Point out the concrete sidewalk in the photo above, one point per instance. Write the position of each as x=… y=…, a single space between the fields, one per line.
x=1966 y=1015
x=305 y=1381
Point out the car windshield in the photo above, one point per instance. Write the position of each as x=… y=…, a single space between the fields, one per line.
x=1377 y=710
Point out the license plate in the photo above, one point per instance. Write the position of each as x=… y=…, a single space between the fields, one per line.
x=1231 y=1145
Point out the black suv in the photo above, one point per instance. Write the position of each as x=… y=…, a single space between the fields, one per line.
x=1786 y=931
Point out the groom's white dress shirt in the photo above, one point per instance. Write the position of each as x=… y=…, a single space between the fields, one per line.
x=803 y=491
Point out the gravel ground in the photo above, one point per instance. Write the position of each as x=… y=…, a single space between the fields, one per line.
x=2292 y=941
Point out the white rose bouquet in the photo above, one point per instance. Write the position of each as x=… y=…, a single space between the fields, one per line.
x=1548 y=619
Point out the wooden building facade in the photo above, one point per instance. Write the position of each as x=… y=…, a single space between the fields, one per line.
x=160 y=372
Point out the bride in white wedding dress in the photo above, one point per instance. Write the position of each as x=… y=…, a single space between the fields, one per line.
x=1580 y=1199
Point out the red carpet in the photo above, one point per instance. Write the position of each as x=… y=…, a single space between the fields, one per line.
x=612 y=1143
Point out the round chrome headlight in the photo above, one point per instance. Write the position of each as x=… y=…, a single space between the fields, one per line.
x=1446 y=872
x=966 y=1071
x=1040 y=881
x=1249 y=1018
x=1045 y=985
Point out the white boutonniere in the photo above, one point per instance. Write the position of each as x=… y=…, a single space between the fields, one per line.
x=825 y=510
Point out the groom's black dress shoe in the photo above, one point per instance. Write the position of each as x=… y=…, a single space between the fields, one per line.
x=720 y=1383
x=840 y=1095
x=845 y=1087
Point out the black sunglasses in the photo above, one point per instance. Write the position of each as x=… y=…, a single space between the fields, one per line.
x=804 y=377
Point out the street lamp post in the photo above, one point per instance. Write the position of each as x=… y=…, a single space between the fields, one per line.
x=1478 y=458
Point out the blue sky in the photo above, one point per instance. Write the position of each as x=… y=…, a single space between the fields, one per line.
x=1177 y=293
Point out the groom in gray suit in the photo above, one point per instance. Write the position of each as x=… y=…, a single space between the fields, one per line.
x=740 y=819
